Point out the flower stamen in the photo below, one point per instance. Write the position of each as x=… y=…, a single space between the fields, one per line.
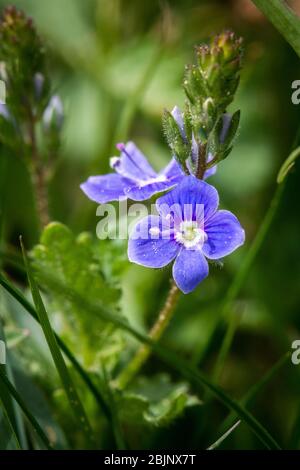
x=190 y=234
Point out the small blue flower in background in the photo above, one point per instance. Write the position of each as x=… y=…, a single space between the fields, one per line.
x=188 y=229
x=177 y=115
x=134 y=178
x=54 y=114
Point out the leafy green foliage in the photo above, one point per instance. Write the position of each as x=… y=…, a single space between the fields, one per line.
x=61 y=367
x=178 y=144
x=155 y=401
x=76 y=261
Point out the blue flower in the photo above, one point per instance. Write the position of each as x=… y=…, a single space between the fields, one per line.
x=189 y=229
x=177 y=115
x=134 y=178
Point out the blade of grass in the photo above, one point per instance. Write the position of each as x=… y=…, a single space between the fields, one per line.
x=13 y=412
x=67 y=382
x=5 y=404
x=18 y=295
x=283 y=18
x=224 y=436
x=252 y=393
x=121 y=445
x=170 y=358
x=7 y=385
x=6 y=397
x=287 y=165
x=10 y=426
x=191 y=374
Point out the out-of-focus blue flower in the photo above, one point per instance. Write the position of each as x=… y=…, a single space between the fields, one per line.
x=134 y=178
x=177 y=115
x=4 y=112
x=54 y=114
x=189 y=229
x=38 y=81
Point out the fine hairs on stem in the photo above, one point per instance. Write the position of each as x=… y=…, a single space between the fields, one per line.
x=155 y=334
x=38 y=177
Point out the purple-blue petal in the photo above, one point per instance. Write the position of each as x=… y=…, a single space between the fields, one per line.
x=133 y=164
x=210 y=172
x=173 y=171
x=191 y=196
x=140 y=192
x=105 y=188
x=189 y=269
x=225 y=234
x=150 y=250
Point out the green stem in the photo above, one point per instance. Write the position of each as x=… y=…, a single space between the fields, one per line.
x=38 y=177
x=155 y=334
x=201 y=162
x=283 y=18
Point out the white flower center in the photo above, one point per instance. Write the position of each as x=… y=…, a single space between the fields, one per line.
x=190 y=234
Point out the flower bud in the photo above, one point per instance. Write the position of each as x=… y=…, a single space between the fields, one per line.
x=39 y=81
x=54 y=114
x=223 y=134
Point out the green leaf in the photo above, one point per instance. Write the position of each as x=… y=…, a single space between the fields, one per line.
x=58 y=359
x=79 y=263
x=283 y=18
x=14 y=292
x=155 y=401
x=179 y=147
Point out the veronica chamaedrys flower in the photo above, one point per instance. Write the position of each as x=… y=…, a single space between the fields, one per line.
x=177 y=115
x=189 y=229
x=134 y=178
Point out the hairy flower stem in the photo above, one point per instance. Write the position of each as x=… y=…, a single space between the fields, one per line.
x=38 y=178
x=201 y=162
x=155 y=334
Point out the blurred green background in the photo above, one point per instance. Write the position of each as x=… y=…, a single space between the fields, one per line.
x=117 y=64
